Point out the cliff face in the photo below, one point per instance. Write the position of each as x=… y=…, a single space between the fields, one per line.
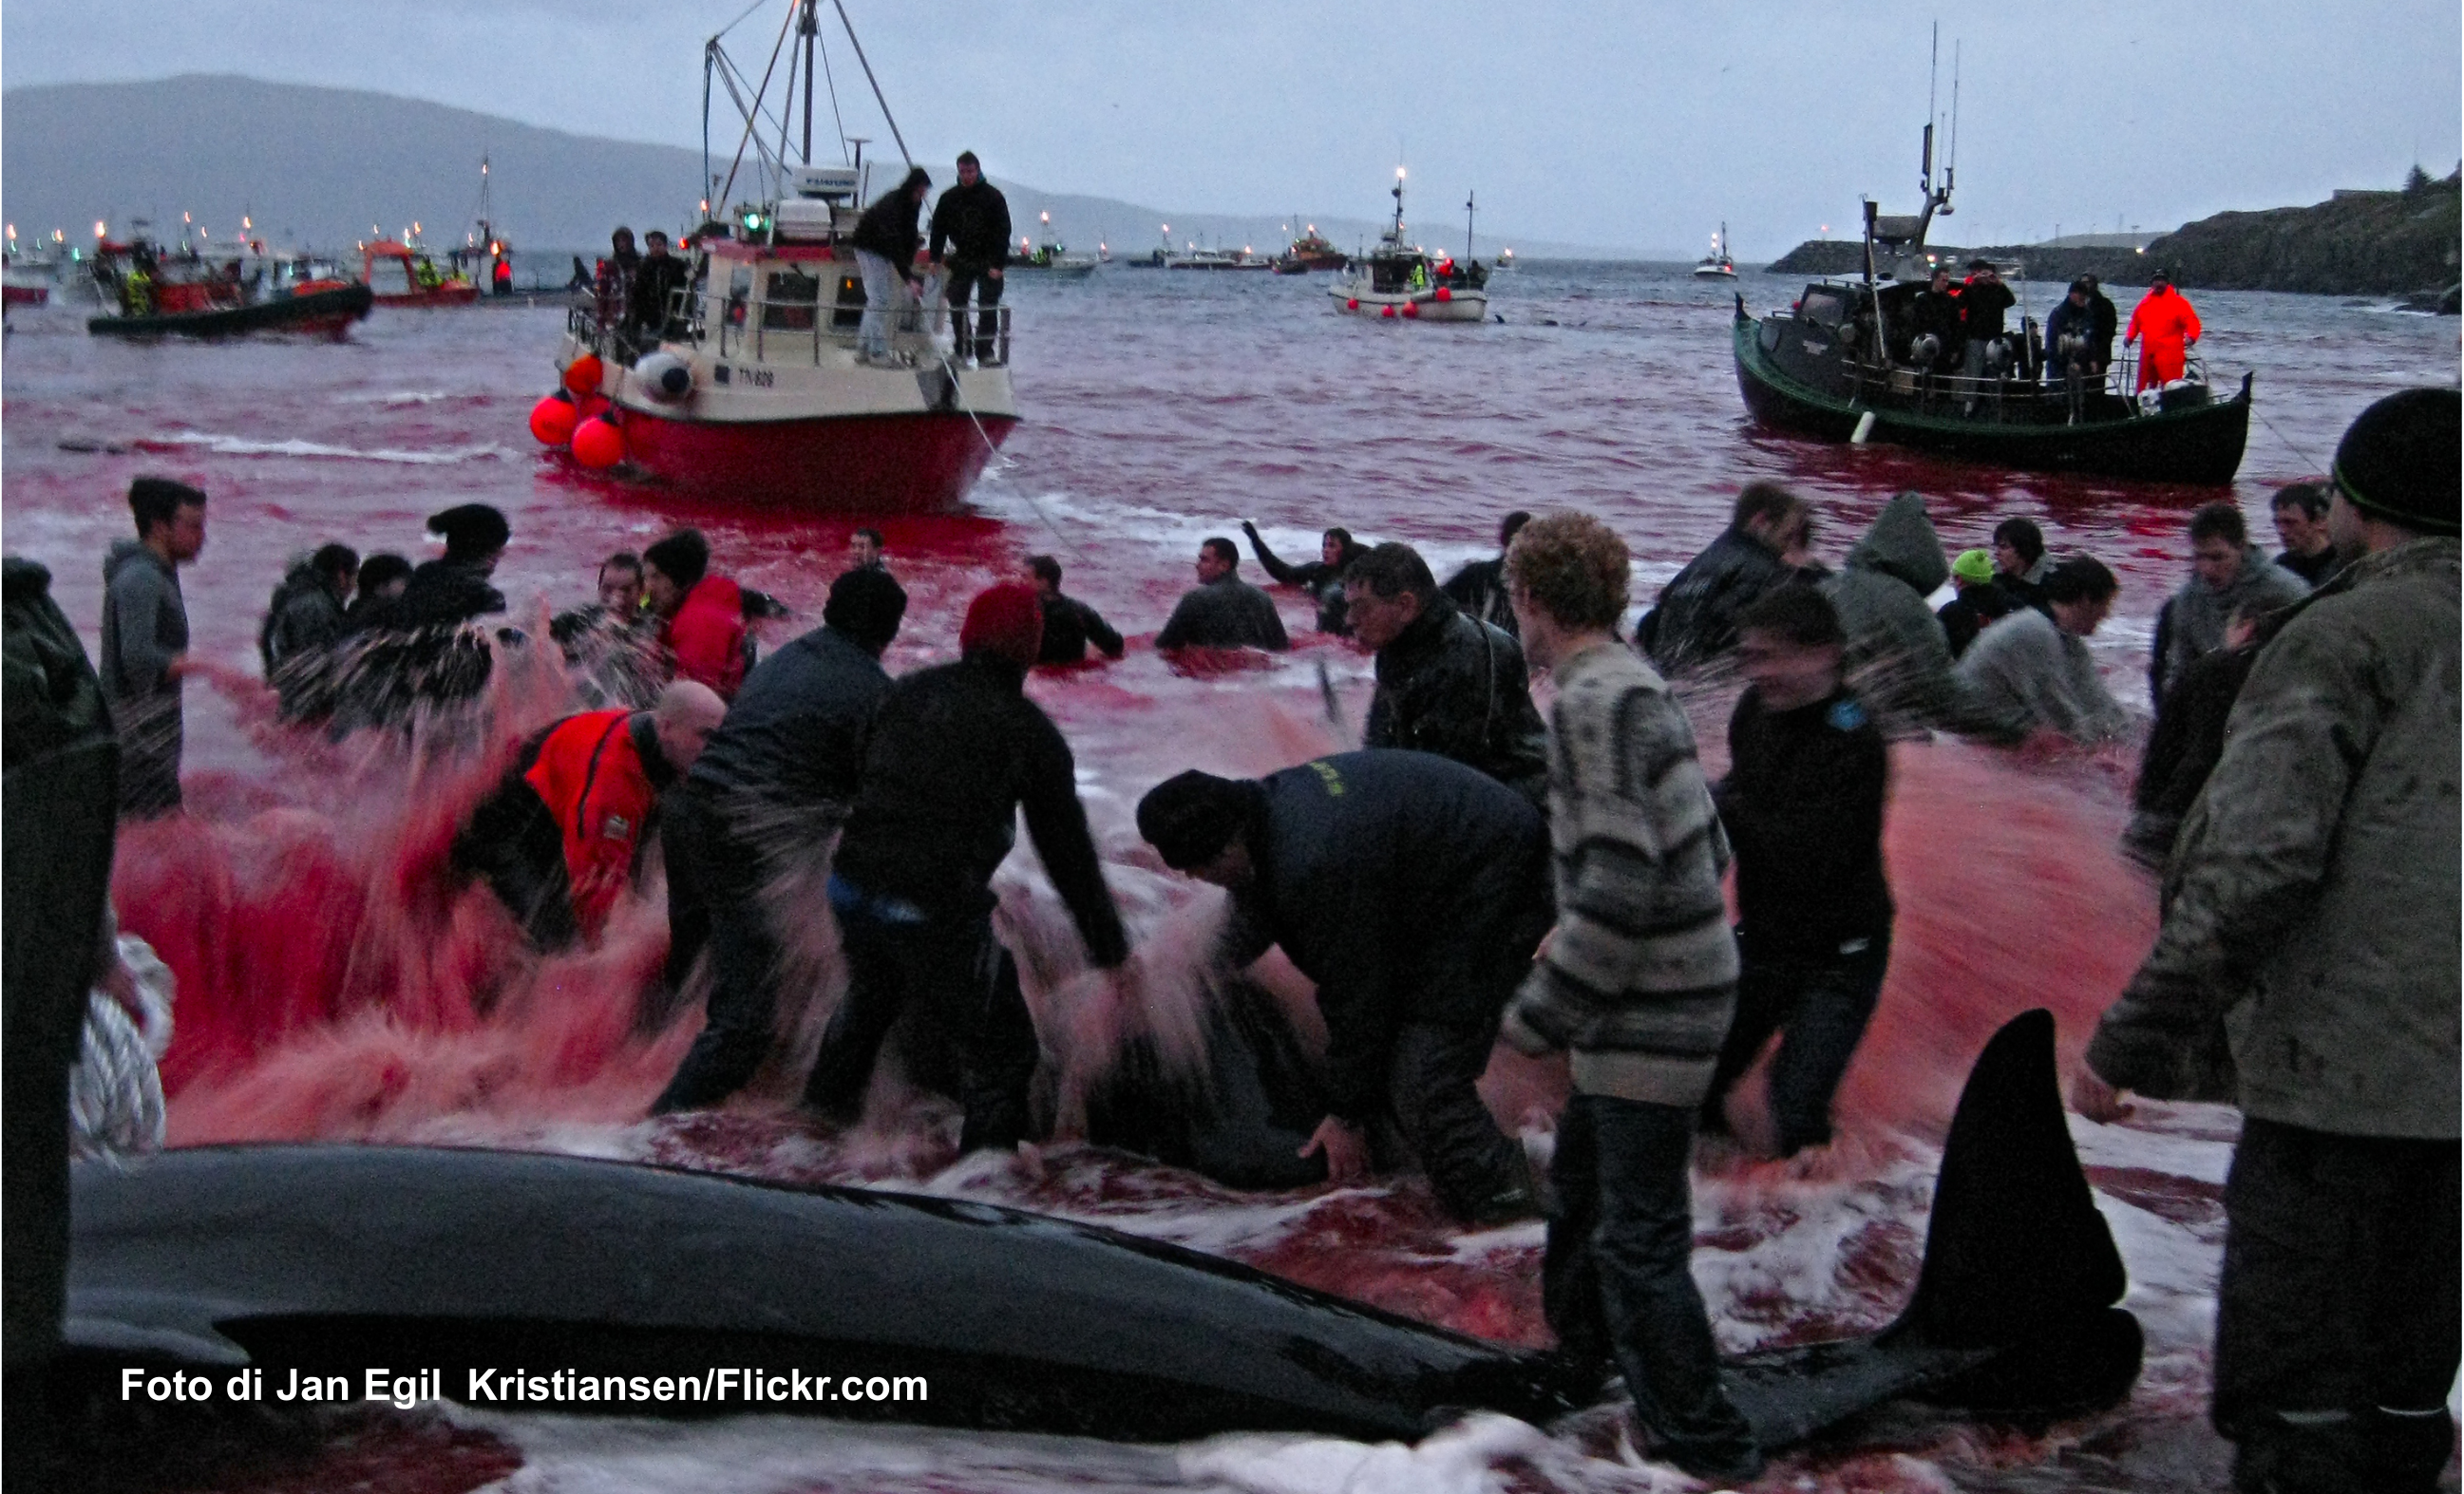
x=2391 y=243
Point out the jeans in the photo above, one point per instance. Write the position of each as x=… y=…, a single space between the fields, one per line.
x=897 y=956
x=1823 y=1006
x=1617 y=1282
x=885 y=293
x=715 y=895
x=2337 y=1310
x=988 y=293
x=1477 y=1171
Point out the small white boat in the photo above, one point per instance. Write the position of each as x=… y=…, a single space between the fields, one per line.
x=1401 y=281
x=1717 y=265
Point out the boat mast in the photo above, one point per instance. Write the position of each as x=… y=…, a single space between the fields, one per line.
x=1469 y=198
x=1396 y=234
x=805 y=27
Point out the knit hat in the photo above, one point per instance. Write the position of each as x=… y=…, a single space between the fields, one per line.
x=471 y=530
x=1975 y=565
x=2398 y=461
x=1190 y=818
x=1005 y=621
x=682 y=558
x=866 y=605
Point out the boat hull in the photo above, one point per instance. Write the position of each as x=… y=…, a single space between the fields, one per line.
x=327 y=314
x=901 y=463
x=1458 y=306
x=24 y=294
x=442 y=296
x=2201 y=445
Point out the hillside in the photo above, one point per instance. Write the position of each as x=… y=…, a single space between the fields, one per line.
x=318 y=166
x=2357 y=243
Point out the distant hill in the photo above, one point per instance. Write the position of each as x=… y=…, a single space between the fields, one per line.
x=318 y=166
x=2357 y=243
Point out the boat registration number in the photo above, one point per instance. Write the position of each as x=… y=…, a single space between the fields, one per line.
x=759 y=378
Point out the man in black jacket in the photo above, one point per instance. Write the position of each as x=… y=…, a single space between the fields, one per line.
x=885 y=242
x=1413 y=890
x=1802 y=805
x=1445 y=683
x=1479 y=588
x=1937 y=314
x=307 y=608
x=2300 y=510
x=1322 y=578
x=971 y=219
x=656 y=279
x=1696 y=617
x=1224 y=611
x=1069 y=625
x=781 y=767
x=952 y=755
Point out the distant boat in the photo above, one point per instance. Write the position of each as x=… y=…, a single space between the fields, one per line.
x=1051 y=258
x=1399 y=280
x=401 y=275
x=1717 y=265
x=1311 y=251
x=161 y=294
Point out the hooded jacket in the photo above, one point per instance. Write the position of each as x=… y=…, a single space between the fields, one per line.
x=145 y=625
x=2024 y=673
x=1898 y=659
x=52 y=697
x=2192 y=624
x=2313 y=896
x=1457 y=688
x=1696 y=616
x=887 y=229
x=1411 y=889
x=303 y=615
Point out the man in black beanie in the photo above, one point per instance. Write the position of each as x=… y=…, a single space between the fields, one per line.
x=1413 y=890
x=2312 y=909
x=785 y=761
x=453 y=588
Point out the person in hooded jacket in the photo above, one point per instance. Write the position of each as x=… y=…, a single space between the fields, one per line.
x=146 y=640
x=2226 y=573
x=702 y=616
x=2165 y=320
x=1413 y=890
x=383 y=577
x=308 y=605
x=952 y=755
x=972 y=220
x=1898 y=658
x=1322 y=578
x=779 y=774
x=1446 y=683
x=884 y=243
x=1479 y=588
x=1696 y=617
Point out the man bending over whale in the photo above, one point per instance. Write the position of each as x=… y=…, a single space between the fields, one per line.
x=1410 y=888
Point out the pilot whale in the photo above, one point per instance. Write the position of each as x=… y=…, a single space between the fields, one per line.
x=521 y=1276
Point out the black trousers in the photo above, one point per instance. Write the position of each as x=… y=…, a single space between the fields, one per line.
x=1617 y=1280
x=1820 y=1007
x=967 y=988
x=988 y=293
x=713 y=901
x=2337 y=1312
x=1432 y=1086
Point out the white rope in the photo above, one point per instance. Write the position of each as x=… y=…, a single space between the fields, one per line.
x=116 y=1090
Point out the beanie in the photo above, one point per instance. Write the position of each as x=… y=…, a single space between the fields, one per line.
x=1189 y=819
x=471 y=530
x=866 y=606
x=2398 y=460
x=1005 y=621
x=1975 y=565
x=683 y=557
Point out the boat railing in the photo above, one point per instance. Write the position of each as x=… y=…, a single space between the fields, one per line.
x=801 y=325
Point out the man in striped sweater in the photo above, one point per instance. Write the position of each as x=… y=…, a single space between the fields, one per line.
x=1638 y=981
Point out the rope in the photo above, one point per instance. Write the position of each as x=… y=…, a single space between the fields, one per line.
x=2314 y=465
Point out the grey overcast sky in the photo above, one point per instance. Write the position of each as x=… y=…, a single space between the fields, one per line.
x=1640 y=124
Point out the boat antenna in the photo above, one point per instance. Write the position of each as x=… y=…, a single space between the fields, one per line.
x=1934 y=75
x=806 y=29
x=841 y=7
x=1951 y=167
x=1468 y=212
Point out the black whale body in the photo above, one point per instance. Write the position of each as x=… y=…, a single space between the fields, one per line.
x=330 y=1260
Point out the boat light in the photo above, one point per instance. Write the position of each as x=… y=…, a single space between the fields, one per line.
x=13 y=233
x=97 y=227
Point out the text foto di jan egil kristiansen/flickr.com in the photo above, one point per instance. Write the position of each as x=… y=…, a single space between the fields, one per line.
x=747 y=1385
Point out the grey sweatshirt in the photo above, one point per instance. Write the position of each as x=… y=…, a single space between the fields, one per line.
x=145 y=624
x=2023 y=672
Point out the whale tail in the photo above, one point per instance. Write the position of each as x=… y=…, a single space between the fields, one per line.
x=2014 y=1314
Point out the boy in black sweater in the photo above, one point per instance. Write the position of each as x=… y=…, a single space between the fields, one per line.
x=1803 y=807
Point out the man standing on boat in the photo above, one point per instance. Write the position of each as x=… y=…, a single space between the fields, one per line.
x=656 y=279
x=884 y=243
x=971 y=222
x=2165 y=318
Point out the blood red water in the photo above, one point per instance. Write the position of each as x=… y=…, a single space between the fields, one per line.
x=334 y=982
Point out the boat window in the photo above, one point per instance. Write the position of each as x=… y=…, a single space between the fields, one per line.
x=850 y=312
x=1822 y=307
x=787 y=299
x=739 y=290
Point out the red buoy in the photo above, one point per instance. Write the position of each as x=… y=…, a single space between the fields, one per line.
x=1388 y=312
x=597 y=444
x=1353 y=304
x=593 y=405
x=553 y=419
x=1411 y=308
x=1445 y=293
x=582 y=375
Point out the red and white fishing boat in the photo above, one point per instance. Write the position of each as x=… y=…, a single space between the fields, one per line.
x=402 y=275
x=755 y=385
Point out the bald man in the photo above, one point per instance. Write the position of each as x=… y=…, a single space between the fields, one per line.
x=561 y=837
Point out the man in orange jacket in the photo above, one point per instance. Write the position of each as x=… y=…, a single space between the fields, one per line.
x=559 y=838
x=702 y=616
x=2164 y=316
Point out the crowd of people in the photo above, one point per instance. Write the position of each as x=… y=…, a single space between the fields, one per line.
x=1480 y=871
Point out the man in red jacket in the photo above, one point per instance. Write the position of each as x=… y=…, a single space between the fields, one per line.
x=702 y=616
x=2164 y=318
x=559 y=839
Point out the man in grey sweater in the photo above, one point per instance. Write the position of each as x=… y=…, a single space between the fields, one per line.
x=2227 y=571
x=146 y=640
x=2031 y=674
x=1638 y=980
